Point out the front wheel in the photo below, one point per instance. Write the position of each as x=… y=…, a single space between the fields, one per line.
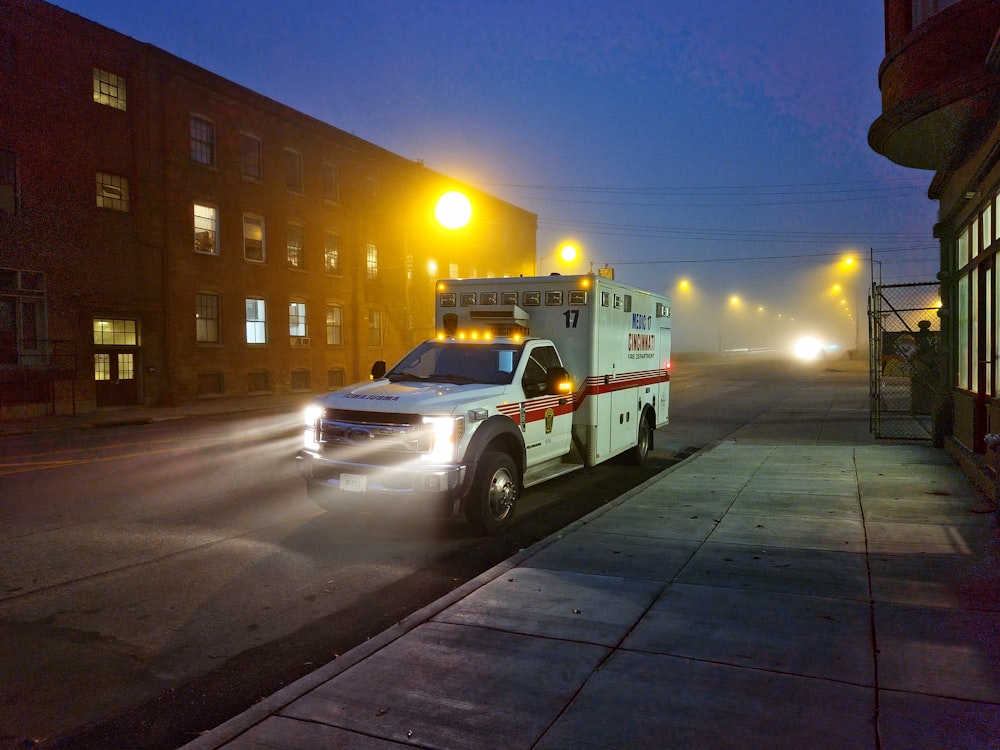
x=489 y=506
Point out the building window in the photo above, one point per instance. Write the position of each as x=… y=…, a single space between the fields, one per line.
x=206 y=229
x=296 y=246
x=251 y=161
x=253 y=238
x=293 y=170
x=210 y=384
x=256 y=321
x=334 y=325
x=203 y=141
x=109 y=89
x=335 y=378
x=8 y=182
x=301 y=380
x=374 y=328
x=112 y=192
x=102 y=366
x=370 y=193
x=258 y=381
x=207 y=318
x=22 y=313
x=297 y=325
x=331 y=183
x=331 y=252
x=371 y=261
x=115 y=332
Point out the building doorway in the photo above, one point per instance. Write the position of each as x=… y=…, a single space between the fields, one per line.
x=116 y=355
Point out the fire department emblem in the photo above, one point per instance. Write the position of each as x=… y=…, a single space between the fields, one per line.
x=550 y=417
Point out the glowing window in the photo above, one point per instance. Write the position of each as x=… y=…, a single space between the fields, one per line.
x=295 y=246
x=206 y=229
x=115 y=332
x=297 y=325
x=253 y=238
x=102 y=366
x=371 y=261
x=109 y=89
x=112 y=192
x=256 y=321
x=331 y=252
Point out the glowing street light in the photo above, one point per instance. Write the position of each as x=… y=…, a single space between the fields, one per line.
x=568 y=252
x=453 y=210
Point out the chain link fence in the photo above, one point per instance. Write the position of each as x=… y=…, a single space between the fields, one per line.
x=905 y=367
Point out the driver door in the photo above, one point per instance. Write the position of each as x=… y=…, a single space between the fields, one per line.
x=546 y=420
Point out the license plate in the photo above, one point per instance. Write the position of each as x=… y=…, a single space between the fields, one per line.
x=353 y=482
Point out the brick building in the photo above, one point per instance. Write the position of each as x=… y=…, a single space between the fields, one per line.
x=940 y=83
x=168 y=235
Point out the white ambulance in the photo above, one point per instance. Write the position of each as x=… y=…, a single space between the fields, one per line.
x=528 y=378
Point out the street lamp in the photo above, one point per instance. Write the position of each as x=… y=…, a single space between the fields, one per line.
x=453 y=210
x=567 y=252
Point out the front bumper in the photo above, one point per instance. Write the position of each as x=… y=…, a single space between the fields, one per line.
x=448 y=480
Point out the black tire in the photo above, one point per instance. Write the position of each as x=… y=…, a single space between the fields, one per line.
x=490 y=504
x=644 y=440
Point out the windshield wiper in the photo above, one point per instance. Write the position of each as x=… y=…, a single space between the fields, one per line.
x=451 y=377
x=396 y=377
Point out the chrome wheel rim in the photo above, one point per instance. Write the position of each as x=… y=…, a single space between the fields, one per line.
x=502 y=494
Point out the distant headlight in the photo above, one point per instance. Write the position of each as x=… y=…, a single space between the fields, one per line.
x=808 y=348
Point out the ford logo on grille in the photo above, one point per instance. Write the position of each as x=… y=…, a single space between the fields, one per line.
x=358 y=435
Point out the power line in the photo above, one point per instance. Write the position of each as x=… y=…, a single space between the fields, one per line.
x=722 y=234
x=790 y=193
x=744 y=259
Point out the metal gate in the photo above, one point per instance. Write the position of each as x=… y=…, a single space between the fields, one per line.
x=905 y=364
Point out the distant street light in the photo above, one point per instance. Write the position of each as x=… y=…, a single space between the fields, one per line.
x=566 y=253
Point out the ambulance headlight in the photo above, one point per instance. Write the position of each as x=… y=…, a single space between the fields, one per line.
x=446 y=433
x=312 y=414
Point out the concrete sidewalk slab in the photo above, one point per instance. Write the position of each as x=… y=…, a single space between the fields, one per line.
x=651 y=701
x=616 y=555
x=557 y=604
x=842 y=575
x=446 y=685
x=833 y=637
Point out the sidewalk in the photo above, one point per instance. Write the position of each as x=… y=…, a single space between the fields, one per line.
x=784 y=591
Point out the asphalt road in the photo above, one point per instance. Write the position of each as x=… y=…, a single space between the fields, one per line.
x=157 y=579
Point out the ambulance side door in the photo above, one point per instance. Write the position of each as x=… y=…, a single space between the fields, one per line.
x=546 y=419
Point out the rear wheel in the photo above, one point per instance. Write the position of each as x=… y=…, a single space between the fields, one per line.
x=644 y=440
x=489 y=506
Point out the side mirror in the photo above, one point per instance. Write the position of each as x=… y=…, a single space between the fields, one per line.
x=558 y=382
x=378 y=369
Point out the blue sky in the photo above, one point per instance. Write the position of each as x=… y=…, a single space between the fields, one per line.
x=662 y=135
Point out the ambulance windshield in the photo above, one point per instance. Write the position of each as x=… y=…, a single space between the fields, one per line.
x=450 y=362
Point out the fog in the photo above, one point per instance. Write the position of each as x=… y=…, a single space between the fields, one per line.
x=767 y=306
